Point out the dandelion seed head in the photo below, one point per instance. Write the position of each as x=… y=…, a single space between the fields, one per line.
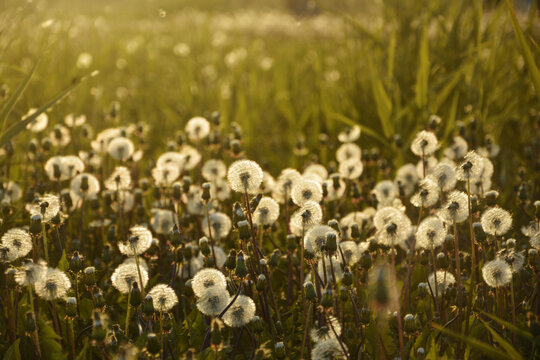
x=315 y=238
x=429 y=164
x=350 y=251
x=126 y=274
x=39 y=123
x=284 y=185
x=47 y=205
x=328 y=349
x=385 y=191
x=496 y=221
x=442 y=279
x=335 y=264
x=120 y=148
x=139 y=240
x=455 y=209
x=10 y=192
x=207 y=278
x=163 y=297
x=192 y=267
x=427 y=195
x=213 y=301
x=31 y=273
x=351 y=169
x=214 y=169
x=54 y=284
x=245 y=176
x=497 y=273
x=348 y=151
x=18 y=241
x=162 y=221
x=407 y=177
x=325 y=332
x=190 y=158
x=195 y=204
x=241 y=312
x=309 y=214
x=334 y=193
x=165 y=175
x=85 y=185
x=318 y=170
x=430 y=233
x=470 y=168
x=267 y=212
x=197 y=128
x=220 y=225
x=306 y=190
x=350 y=134
x=120 y=179
x=444 y=176
x=457 y=149
x=359 y=218
x=424 y=144
x=220 y=190
x=516 y=259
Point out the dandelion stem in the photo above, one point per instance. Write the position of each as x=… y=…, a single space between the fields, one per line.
x=35 y=334
x=128 y=313
x=400 y=327
x=71 y=337
x=140 y=276
x=304 y=337
x=45 y=244
x=458 y=281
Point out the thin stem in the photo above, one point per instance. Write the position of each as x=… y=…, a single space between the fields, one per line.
x=304 y=337
x=458 y=281
x=141 y=285
x=45 y=244
x=71 y=337
x=400 y=327
x=128 y=313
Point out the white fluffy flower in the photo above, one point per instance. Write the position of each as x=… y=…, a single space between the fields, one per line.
x=496 y=221
x=240 y=313
x=197 y=128
x=430 y=233
x=497 y=273
x=424 y=144
x=306 y=190
x=267 y=212
x=54 y=284
x=245 y=176
x=126 y=274
x=163 y=297
x=455 y=209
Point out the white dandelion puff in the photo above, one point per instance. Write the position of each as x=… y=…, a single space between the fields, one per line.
x=306 y=190
x=240 y=313
x=54 y=284
x=207 y=278
x=424 y=144
x=197 y=128
x=455 y=209
x=497 y=273
x=348 y=151
x=442 y=280
x=496 y=221
x=220 y=225
x=126 y=274
x=213 y=301
x=444 y=176
x=351 y=169
x=267 y=212
x=163 y=297
x=430 y=233
x=427 y=195
x=245 y=176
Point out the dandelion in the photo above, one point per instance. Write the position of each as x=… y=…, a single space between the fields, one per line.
x=190 y=268
x=53 y=168
x=30 y=273
x=395 y=231
x=426 y=166
x=10 y=192
x=197 y=128
x=455 y=209
x=306 y=190
x=85 y=185
x=163 y=297
x=60 y=136
x=240 y=313
x=442 y=280
x=497 y=273
x=195 y=205
x=214 y=169
x=308 y=215
x=267 y=212
x=162 y=221
x=18 y=241
x=329 y=349
x=325 y=332
x=496 y=221
x=315 y=238
x=286 y=181
x=427 y=195
x=533 y=233
x=54 y=284
x=47 y=206
x=385 y=191
x=268 y=183
x=348 y=151
x=330 y=268
x=39 y=123
x=360 y=218
x=126 y=274
x=470 y=168
x=120 y=148
x=220 y=225
x=514 y=258
x=245 y=176
x=351 y=169
x=220 y=190
x=318 y=170
x=407 y=177
x=213 y=301
x=444 y=176
x=190 y=157
x=120 y=179
x=73 y=120
x=350 y=134
x=424 y=144
x=457 y=149
x=350 y=252
x=165 y=175
x=335 y=190
x=430 y=233
x=207 y=278
x=139 y=241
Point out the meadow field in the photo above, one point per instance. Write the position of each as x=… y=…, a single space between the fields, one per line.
x=257 y=179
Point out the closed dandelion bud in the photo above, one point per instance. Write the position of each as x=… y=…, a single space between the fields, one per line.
x=365 y=316
x=46 y=144
x=409 y=323
x=347 y=277
x=177 y=191
x=273 y=262
x=324 y=189
x=156 y=192
x=479 y=234
x=261 y=282
x=475 y=203
x=365 y=260
x=144 y=184
x=442 y=260
x=215 y=335
x=71 y=307
x=335 y=181
x=331 y=243
x=35 y=224
x=230 y=262
x=175 y=236
x=243 y=230
x=309 y=291
x=424 y=257
x=148 y=306
x=99 y=332
x=343 y=294
x=29 y=322
x=238 y=213
x=373 y=245
x=355 y=232
x=255 y=202
x=99 y=300
x=136 y=297
x=263 y=263
x=327 y=299
x=90 y=275
x=279 y=329
x=204 y=247
x=491 y=198
x=167 y=322
x=291 y=242
x=76 y=264
x=236 y=147
x=450 y=292
x=422 y=290
x=187 y=252
x=532 y=257
x=420 y=353
x=152 y=344
x=334 y=224
x=449 y=242
x=186 y=183
x=279 y=350
x=205 y=191
x=240 y=270
x=107 y=254
x=511 y=243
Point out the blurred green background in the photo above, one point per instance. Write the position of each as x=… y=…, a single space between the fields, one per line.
x=286 y=71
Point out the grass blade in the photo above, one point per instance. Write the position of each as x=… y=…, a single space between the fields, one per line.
x=422 y=75
x=521 y=332
x=365 y=130
x=502 y=343
x=534 y=73
x=382 y=101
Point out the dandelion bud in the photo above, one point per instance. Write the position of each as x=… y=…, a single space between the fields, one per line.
x=204 y=247
x=365 y=316
x=261 y=282
x=243 y=230
x=35 y=224
x=327 y=300
x=309 y=291
x=236 y=147
x=291 y=242
x=449 y=242
x=71 y=307
x=90 y=275
x=491 y=197
x=240 y=270
x=136 y=297
x=532 y=257
x=365 y=260
x=187 y=252
x=279 y=350
x=205 y=191
x=420 y=353
x=347 y=277
x=107 y=254
x=46 y=144
x=355 y=232
x=331 y=243
x=98 y=329
x=152 y=344
x=373 y=245
x=274 y=258
x=76 y=264
x=29 y=322
x=186 y=183
x=255 y=201
x=238 y=213
x=148 y=306
x=409 y=323
x=442 y=261
x=98 y=297
x=279 y=329
x=422 y=290
x=479 y=234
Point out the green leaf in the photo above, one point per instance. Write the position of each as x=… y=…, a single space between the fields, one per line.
x=12 y=352
x=422 y=75
x=480 y=346
x=534 y=73
x=502 y=343
x=382 y=101
x=63 y=264
x=10 y=103
x=447 y=89
x=519 y=331
x=86 y=307
x=365 y=130
x=19 y=126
